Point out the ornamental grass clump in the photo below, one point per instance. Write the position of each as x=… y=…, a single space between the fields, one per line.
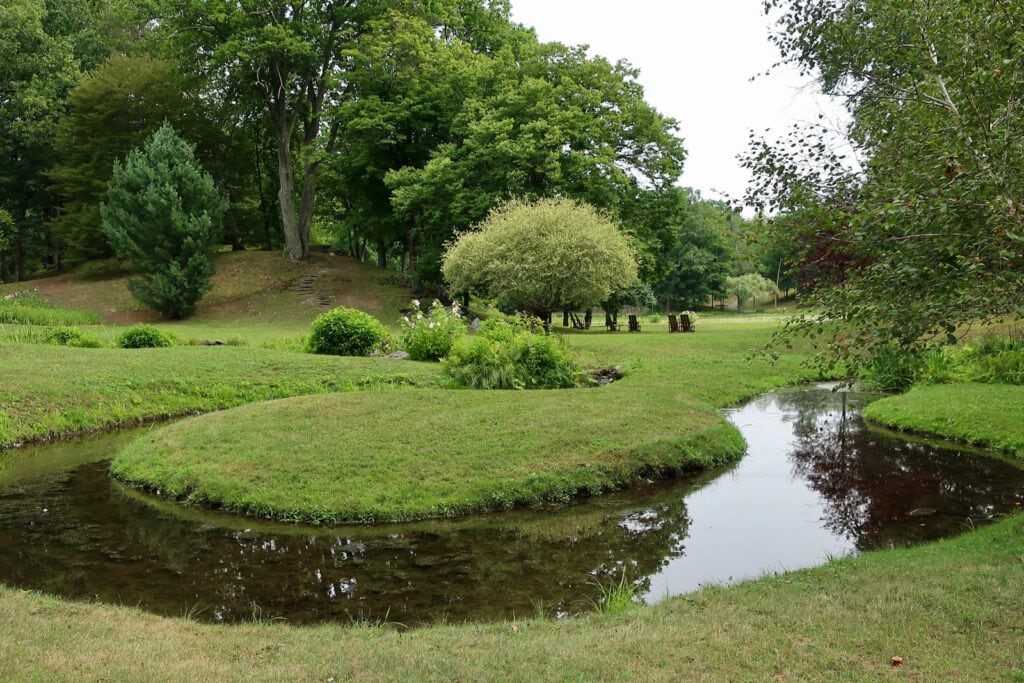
x=508 y=355
x=29 y=308
x=430 y=336
x=347 y=332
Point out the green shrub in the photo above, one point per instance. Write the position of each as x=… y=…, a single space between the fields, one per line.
x=71 y=336
x=164 y=215
x=891 y=368
x=430 y=335
x=507 y=355
x=994 y=360
x=144 y=337
x=346 y=332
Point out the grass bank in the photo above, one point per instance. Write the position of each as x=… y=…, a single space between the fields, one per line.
x=54 y=391
x=987 y=415
x=950 y=610
x=433 y=454
x=441 y=453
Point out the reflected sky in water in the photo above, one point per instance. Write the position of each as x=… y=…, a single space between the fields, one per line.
x=815 y=484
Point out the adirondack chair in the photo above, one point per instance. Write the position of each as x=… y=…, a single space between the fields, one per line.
x=673 y=323
x=685 y=324
x=610 y=323
x=634 y=324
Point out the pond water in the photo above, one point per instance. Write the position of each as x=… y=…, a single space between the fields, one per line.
x=815 y=484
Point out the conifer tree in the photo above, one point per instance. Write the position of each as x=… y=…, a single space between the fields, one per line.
x=163 y=216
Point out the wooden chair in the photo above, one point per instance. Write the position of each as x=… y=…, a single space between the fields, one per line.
x=610 y=323
x=577 y=324
x=673 y=323
x=685 y=324
x=634 y=324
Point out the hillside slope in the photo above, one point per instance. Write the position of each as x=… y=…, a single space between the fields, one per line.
x=248 y=286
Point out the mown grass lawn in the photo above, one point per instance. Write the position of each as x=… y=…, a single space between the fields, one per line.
x=950 y=610
x=438 y=453
x=988 y=415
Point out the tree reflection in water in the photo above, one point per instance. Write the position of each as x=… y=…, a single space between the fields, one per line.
x=878 y=489
x=70 y=531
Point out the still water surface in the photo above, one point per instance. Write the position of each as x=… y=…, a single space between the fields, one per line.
x=815 y=484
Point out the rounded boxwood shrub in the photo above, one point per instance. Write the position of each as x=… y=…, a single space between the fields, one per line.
x=144 y=337
x=71 y=336
x=346 y=332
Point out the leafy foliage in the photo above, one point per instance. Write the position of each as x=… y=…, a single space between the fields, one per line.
x=163 y=216
x=71 y=336
x=543 y=256
x=541 y=120
x=37 y=69
x=144 y=337
x=697 y=267
x=749 y=286
x=430 y=336
x=928 y=232
x=991 y=359
x=511 y=355
x=112 y=110
x=346 y=332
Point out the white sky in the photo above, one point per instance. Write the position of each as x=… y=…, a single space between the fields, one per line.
x=696 y=59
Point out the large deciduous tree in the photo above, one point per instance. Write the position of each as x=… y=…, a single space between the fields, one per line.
x=697 y=267
x=538 y=120
x=928 y=233
x=111 y=111
x=543 y=256
x=294 y=61
x=163 y=216
x=36 y=72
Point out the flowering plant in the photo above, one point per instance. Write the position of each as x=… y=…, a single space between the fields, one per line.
x=430 y=335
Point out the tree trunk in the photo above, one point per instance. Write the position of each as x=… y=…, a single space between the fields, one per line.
x=19 y=260
x=286 y=192
x=382 y=253
x=309 y=187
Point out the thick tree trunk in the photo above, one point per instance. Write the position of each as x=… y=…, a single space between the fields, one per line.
x=309 y=187
x=382 y=253
x=286 y=194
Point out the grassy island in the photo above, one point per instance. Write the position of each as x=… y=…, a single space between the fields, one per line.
x=987 y=415
x=381 y=457
x=950 y=610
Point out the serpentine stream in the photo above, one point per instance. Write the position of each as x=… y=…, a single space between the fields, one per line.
x=815 y=484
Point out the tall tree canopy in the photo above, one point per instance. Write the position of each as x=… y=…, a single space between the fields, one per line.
x=293 y=61
x=927 y=234
x=36 y=72
x=540 y=120
x=702 y=259
x=112 y=110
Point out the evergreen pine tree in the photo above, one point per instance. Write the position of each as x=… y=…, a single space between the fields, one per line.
x=163 y=215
